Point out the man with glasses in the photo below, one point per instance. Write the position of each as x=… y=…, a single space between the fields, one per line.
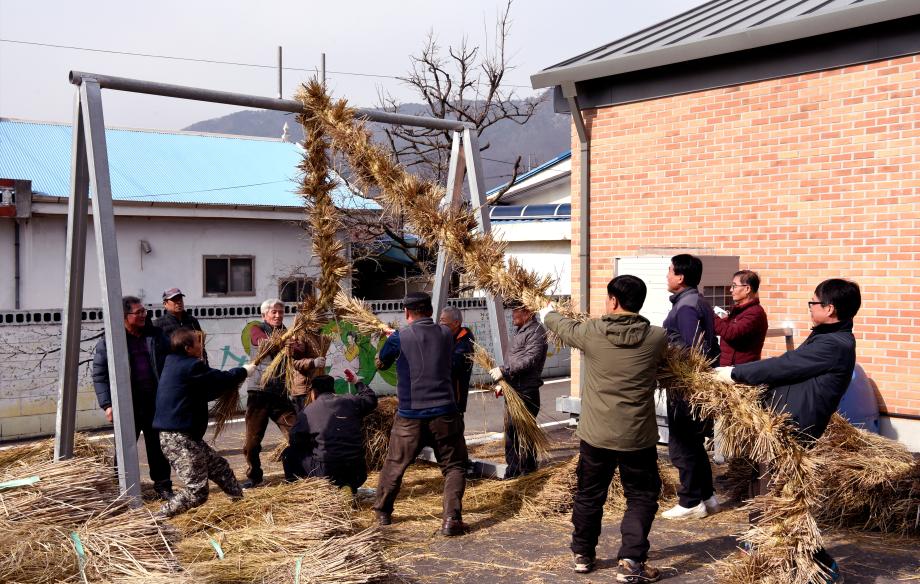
x=147 y=350
x=743 y=328
x=808 y=383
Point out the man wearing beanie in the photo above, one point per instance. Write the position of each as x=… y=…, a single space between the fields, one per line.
x=327 y=440
x=427 y=412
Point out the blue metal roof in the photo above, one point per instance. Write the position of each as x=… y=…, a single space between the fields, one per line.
x=537 y=170
x=165 y=167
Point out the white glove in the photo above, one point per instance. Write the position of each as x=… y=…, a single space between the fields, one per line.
x=249 y=367
x=498 y=391
x=546 y=310
x=319 y=362
x=496 y=373
x=724 y=374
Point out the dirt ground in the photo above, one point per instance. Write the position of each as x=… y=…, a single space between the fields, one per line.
x=510 y=542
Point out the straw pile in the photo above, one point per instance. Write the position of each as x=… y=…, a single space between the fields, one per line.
x=377 y=427
x=557 y=496
x=43 y=451
x=531 y=438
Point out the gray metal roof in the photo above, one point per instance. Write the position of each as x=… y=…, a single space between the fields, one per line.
x=719 y=27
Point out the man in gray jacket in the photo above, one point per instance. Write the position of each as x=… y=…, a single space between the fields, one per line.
x=523 y=368
x=617 y=427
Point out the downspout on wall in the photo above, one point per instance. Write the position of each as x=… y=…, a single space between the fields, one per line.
x=584 y=211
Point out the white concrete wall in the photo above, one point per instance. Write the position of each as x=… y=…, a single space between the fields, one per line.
x=28 y=382
x=7 y=263
x=178 y=245
x=542 y=246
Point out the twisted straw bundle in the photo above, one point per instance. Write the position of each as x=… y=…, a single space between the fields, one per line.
x=531 y=438
x=377 y=427
x=359 y=314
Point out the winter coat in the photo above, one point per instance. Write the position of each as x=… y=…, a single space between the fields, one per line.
x=275 y=385
x=809 y=382
x=169 y=323
x=423 y=355
x=690 y=322
x=302 y=354
x=622 y=352
x=462 y=367
x=742 y=333
x=329 y=428
x=525 y=356
x=157 y=347
x=186 y=386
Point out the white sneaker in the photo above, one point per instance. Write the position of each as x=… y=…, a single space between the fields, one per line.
x=678 y=512
x=712 y=505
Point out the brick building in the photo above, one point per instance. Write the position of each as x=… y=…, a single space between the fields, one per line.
x=783 y=137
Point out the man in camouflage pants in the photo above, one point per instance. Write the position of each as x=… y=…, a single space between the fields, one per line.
x=195 y=462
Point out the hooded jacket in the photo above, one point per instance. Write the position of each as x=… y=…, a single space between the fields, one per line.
x=809 y=382
x=622 y=352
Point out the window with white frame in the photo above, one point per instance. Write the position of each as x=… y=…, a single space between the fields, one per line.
x=229 y=276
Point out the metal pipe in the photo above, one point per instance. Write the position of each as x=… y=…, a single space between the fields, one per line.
x=280 y=69
x=322 y=69
x=254 y=101
x=17 y=262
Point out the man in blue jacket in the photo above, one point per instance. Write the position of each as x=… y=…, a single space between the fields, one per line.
x=147 y=350
x=426 y=414
x=186 y=387
x=808 y=383
x=690 y=323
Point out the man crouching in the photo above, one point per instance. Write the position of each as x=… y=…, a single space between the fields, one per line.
x=327 y=440
x=186 y=386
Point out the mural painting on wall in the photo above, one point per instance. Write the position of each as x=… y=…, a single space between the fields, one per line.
x=349 y=350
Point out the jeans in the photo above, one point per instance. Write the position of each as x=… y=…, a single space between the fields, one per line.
x=686 y=438
x=641 y=485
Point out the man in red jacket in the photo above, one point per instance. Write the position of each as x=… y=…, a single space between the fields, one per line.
x=743 y=329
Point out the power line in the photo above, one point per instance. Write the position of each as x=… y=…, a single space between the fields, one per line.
x=210 y=61
x=273 y=182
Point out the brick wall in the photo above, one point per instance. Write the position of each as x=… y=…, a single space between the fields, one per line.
x=804 y=178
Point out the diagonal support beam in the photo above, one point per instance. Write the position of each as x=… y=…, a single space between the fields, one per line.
x=110 y=282
x=452 y=199
x=75 y=260
x=494 y=305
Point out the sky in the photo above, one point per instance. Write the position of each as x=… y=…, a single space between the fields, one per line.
x=367 y=43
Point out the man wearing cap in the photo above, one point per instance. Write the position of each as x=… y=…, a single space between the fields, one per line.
x=327 y=440
x=175 y=317
x=523 y=369
x=426 y=414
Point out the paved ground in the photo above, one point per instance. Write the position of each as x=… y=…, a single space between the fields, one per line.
x=505 y=546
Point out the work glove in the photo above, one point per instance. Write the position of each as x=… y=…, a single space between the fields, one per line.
x=546 y=310
x=498 y=391
x=249 y=367
x=350 y=376
x=496 y=373
x=724 y=374
x=319 y=362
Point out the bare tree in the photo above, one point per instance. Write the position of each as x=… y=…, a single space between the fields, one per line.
x=466 y=84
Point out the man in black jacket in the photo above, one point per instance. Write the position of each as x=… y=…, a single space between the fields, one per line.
x=175 y=317
x=147 y=350
x=427 y=413
x=327 y=440
x=523 y=370
x=186 y=386
x=809 y=382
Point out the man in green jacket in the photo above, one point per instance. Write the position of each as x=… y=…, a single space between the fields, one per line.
x=617 y=428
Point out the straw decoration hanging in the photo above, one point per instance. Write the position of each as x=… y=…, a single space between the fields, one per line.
x=531 y=438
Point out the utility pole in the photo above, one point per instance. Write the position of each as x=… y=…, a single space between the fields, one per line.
x=280 y=91
x=322 y=69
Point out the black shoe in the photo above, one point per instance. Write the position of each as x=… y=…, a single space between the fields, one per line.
x=383 y=518
x=584 y=564
x=163 y=493
x=453 y=527
x=250 y=484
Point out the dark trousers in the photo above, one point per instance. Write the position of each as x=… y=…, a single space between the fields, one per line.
x=260 y=408
x=159 y=466
x=518 y=463
x=343 y=473
x=300 y=402
x=445 y=435
x=641 y=485
x=686 y=438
